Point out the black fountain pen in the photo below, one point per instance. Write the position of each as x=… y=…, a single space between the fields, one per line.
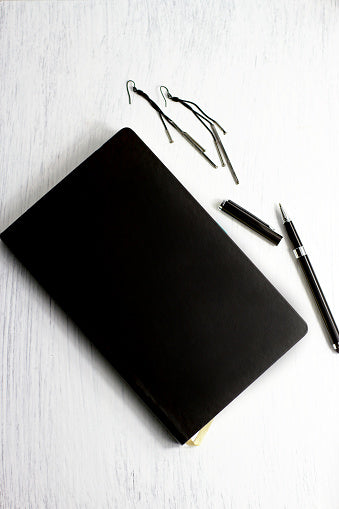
x=301 y=256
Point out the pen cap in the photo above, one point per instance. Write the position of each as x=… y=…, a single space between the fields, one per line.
x=250 y=220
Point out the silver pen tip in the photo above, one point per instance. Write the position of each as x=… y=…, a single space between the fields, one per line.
x=284 y=215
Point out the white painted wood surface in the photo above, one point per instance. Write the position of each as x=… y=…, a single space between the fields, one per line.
x=73 y=435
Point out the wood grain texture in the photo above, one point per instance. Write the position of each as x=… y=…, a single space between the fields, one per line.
x=73 y=435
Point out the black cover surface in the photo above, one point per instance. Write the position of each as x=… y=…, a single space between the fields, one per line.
x=154 y=283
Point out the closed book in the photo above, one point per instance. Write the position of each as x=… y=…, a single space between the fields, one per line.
x=155 y=283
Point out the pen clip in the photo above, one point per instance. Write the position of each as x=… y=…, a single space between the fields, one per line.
x=250 y=220
x=250 y=214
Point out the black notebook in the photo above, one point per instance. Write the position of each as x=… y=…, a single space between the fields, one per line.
x=155 y=283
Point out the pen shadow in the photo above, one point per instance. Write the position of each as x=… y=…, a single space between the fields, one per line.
x=62 y=167
x=304 y=282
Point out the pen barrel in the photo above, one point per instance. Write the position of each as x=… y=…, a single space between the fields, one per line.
x=320 y=299
x=292 y=234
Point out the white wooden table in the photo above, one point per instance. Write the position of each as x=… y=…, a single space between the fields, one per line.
x=73 y=435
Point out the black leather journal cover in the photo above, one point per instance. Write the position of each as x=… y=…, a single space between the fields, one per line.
x=154 y=283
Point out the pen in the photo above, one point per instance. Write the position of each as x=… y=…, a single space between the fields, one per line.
x=301 y=256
